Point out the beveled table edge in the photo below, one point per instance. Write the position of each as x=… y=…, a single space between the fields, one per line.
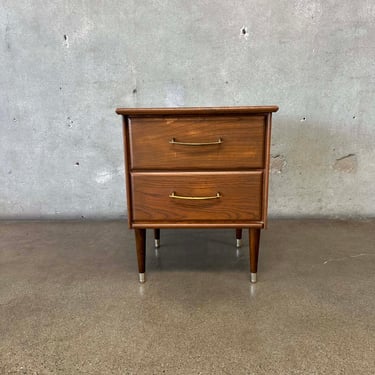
x=196 y=110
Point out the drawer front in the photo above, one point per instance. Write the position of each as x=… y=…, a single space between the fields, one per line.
x=194 y=197
x=197 y=142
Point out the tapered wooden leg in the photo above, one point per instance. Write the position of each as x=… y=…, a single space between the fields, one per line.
x=157 y=237
x=238 y=237
x=140 y=241
x=254 y=239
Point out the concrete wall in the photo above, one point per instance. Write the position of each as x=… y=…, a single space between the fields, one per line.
x=66 y=65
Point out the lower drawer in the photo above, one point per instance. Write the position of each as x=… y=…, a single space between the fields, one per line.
x=194 y=196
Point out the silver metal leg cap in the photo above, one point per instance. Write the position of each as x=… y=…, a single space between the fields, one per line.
x=157 y=243
x=142 y=278
x=238 y=243
x=253 y=277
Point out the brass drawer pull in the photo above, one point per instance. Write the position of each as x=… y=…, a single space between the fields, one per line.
x=174 y=142
x=173 y=195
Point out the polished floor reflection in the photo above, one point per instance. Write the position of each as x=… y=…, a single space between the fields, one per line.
x=70 y=301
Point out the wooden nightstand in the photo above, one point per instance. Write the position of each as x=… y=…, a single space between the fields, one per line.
x=197 y=168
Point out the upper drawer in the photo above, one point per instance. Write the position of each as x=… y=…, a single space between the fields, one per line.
x=197 y=142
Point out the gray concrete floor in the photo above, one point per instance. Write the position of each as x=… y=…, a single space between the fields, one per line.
x=70 y=302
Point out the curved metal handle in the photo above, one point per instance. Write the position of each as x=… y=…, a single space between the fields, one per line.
x=174 y=142
x=175 y=196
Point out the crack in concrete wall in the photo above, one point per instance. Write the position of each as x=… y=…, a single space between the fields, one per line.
x=347 y=164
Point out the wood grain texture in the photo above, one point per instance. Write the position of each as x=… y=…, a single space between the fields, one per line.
x=241 y=196
x=242 y=144
x=196 y=110
x=127 y=157
x=198 y=224
x=267 y=157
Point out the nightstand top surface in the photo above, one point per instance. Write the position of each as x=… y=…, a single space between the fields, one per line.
x=196 y=110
